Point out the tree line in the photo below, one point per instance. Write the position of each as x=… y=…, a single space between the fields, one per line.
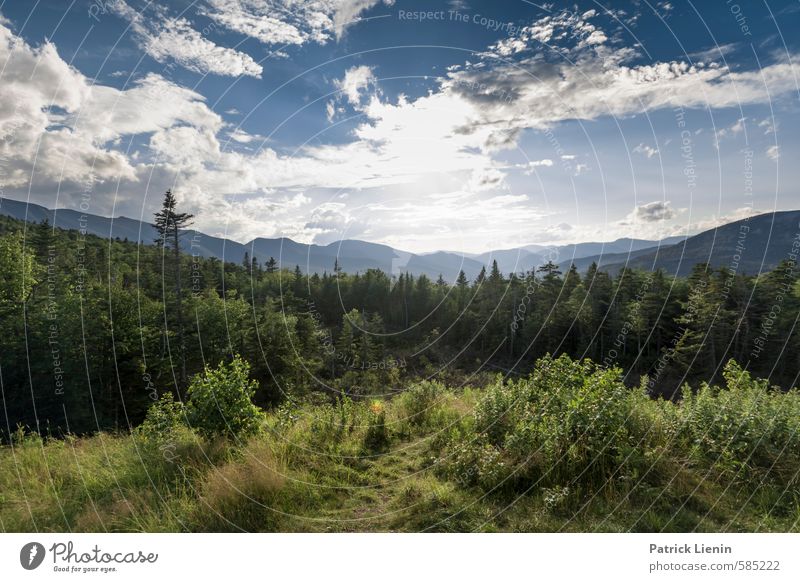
x=93 y=331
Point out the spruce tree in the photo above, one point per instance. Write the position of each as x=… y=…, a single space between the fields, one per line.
x=169 y=223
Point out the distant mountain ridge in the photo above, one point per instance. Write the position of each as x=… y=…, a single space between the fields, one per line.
x=769 y=238
x=352 y=255
x=749 y=246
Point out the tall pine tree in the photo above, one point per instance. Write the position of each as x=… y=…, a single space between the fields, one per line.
x=169 y=223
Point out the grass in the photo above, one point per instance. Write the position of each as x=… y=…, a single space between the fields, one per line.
x=568 y=449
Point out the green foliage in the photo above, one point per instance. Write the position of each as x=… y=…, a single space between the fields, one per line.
x=330 y=424
x=376 y=438
x=122 y=329
x=18 y=272
x=163 y=418
x=220 y=401
x=421 y=402
x=577 y=452
x=575 y=424
x=569 y=422
x=745 y=429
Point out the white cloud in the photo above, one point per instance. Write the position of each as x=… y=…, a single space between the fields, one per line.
x=165 y=39
x=645 y=150
x=289 y=22
x=354 y=83
x=485 y=179
x=773 y=152
x=651 y=221
x=434 y=157
x=596 y=37
x=719 y=220
x=519 y=85
x=735 y=129
x=769 y=125
x=177 y=40
x=54 y=120
x=347 y=12
x=331 y=222
x=529 y=167
x=330 y=111
x=240 y=136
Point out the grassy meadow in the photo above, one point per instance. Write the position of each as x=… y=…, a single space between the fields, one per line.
x=569 y=448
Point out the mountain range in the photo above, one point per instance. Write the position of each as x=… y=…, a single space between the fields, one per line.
x=755 y=244
x=748 y=246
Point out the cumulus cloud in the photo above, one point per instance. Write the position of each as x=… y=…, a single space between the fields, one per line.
x=331 y=222
x=773 y=152
x=240 y=136
x=645 y=150
x=165 y=39
x=54 y=119
x=449 y=136
x=356 y=80
x=652 y=212
x=550 y=72
x=486 y=179
x=289 y=22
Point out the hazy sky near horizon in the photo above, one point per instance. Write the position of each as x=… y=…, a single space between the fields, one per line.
x=457 y=125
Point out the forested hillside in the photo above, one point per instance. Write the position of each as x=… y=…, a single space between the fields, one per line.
x=91 y=331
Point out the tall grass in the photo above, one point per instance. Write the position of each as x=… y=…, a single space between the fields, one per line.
x=570 y=447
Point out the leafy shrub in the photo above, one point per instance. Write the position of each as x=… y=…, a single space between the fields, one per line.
x=220 y=401
x=163 y=417
x=569 y=422
x=421 y=402
x=575 y=424
x=744 y=427
x=501 y=407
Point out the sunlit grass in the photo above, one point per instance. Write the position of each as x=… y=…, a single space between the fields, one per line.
x=569 y=449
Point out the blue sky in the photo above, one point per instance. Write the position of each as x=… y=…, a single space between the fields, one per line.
x=459 y=125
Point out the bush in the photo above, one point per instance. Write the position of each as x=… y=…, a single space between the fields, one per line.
x=570 y=422
x=220 y=401
x=744 y=428
x=163 y=417
x=421 y=402
x=576 y=425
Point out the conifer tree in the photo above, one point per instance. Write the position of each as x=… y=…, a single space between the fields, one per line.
x=169 y=223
